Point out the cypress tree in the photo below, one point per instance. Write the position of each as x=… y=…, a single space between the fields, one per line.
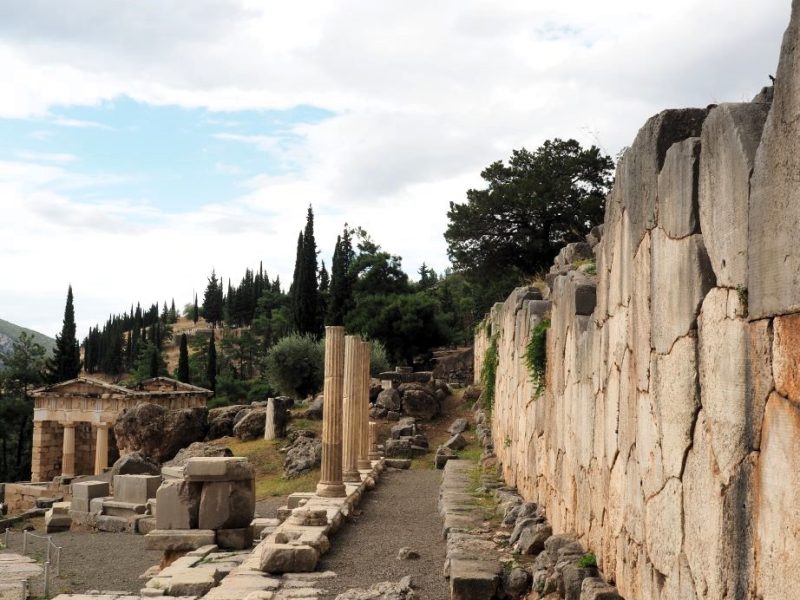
x=173 y=314
x=211 y=368
x=293 y=289
x=183 y=360
x=66 y=361
x=305 y=291
x=154 y=362
x=213 y=300
x=341 y=279
x=195 y=311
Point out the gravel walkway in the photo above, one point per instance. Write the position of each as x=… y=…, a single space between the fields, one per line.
x=400 y=511
x=93 y=561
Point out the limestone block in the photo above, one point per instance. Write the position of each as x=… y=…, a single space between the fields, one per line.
x=474 y=578
x=85 y=491
x=681 y=275
x=664 y=526
x=774 y=256
x=675 y=383
x=730 y=137
x=288 y=558
x=639 y=329
x=235 y=539
x=637 y=171
x=218 y=468
x=178 y=504
x=191 y=582
x=112 y=524
x=786 y=356
x=594 y=588
x=61 y=508
x=178 y=540
x=136 y=489
x=126 y=510
x=760 y=368
x=55 y=522
x=679 y=582
x=724 y=373
x=711 y=558
x=677 y=189
x=777 y=511
x=585 y=298
x=227 y=504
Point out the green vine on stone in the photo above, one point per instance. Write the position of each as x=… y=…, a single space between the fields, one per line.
x=536 y=355
x=489 y=373
x=587 y=560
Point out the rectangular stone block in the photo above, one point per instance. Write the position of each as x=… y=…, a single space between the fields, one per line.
x=178 y=540
x=86 y=490
x=178 y=505
x=136 y=489
x=227 y=504
x=299 y=499
x=144 y=524
x=61 y=508
x=172 y=472
x=235 y=539
x=260 y=525
x=218 y=468
x=126 y=510
x=95 y=505
x=113 y=524
x=288 y=558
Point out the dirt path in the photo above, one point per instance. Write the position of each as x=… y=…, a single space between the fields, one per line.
x=400 y=511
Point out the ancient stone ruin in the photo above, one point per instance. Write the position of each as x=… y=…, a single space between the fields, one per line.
x=668 y=434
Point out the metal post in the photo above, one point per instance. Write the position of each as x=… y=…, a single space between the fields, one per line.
x=58 y=561
x=47 y=560
x=24 y=542
x=6 y=541
x=47 y=579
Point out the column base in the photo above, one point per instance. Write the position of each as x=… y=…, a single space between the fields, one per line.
x=364 y=465
x=374 y=456
x=331 y=490
x=351 y=477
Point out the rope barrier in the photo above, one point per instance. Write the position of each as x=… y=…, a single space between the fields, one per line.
x=49 y=568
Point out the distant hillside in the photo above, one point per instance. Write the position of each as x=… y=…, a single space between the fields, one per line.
x=10 y=332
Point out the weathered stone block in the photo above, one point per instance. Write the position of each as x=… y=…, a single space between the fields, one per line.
x=136 y=489
x=677 y=189
x=227 y=504
x=178 y=504
x=681 y=276
x=191 y=582
x=84 y=492
x=594 y=588
x=178 y=540
x=218 y=468
x=288 y=558
x=786 y=356
x=730 y=137
x=235 y=539
x=473 y=579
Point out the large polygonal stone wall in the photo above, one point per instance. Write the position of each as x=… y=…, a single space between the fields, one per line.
x=668 y=436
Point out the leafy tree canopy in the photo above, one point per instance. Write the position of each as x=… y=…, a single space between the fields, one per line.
x=529 y=209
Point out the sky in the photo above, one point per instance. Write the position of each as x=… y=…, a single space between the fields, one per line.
x=144 y=143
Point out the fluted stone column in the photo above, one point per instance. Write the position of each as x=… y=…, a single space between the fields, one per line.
x=68 y=452
x=101 y=449
x=330 y=484
x=373 y=441
x=363 y=409
x=352 y=406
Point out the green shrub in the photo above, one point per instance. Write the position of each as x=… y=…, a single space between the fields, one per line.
x=295 y=365
x=536 y=355
x=378 y=359
x=587 y=560
x=489 y=373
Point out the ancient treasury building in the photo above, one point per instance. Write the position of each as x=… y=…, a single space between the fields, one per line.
x=71 y=421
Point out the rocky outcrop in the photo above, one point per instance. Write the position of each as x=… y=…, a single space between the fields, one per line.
x=302 y=455
x=251 y=425
x=221 y=420
x=158 y=433
x=666 y=437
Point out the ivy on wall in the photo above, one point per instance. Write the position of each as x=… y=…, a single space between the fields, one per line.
x=536 y=355
x=489 y=373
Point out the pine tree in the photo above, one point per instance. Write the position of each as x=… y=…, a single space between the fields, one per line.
x=305 y=291
x=66 y=361
x=211 y=369
x=183 y=360
x=341 y=279
x=213 y=300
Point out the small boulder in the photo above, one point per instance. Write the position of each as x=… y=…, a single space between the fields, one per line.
x=457 y=442
x=135 y=464
x=400 y=448
x=392 y=416
x=444 y=454
x=420 y=402
x=314 y=411
x=221 y=421
x=303 y=455
x=389 y=399
x=516 y=583
x=532 y=538
x=406 y=553
x=458 y=426
x=251 y=426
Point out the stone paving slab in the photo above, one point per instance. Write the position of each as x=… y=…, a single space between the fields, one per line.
x=15 y=571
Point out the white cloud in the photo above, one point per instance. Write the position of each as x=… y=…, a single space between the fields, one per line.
x=423 y=96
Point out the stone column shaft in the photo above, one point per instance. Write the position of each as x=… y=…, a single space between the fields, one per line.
x=330 y=484
x=363 y=409
x=373 y=441
x=269 y=424
x=101 y=449
x=352 y=406
x=37 y=451
x=68 y=452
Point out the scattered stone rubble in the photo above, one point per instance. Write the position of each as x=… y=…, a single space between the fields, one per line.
x=421 y=399
x=485 y=563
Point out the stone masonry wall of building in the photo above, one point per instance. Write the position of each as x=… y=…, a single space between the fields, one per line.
x=668 y=435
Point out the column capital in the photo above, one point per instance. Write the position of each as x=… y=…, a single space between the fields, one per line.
x=67 y=423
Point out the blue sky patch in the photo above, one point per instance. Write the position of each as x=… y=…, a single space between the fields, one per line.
x=166 y=156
